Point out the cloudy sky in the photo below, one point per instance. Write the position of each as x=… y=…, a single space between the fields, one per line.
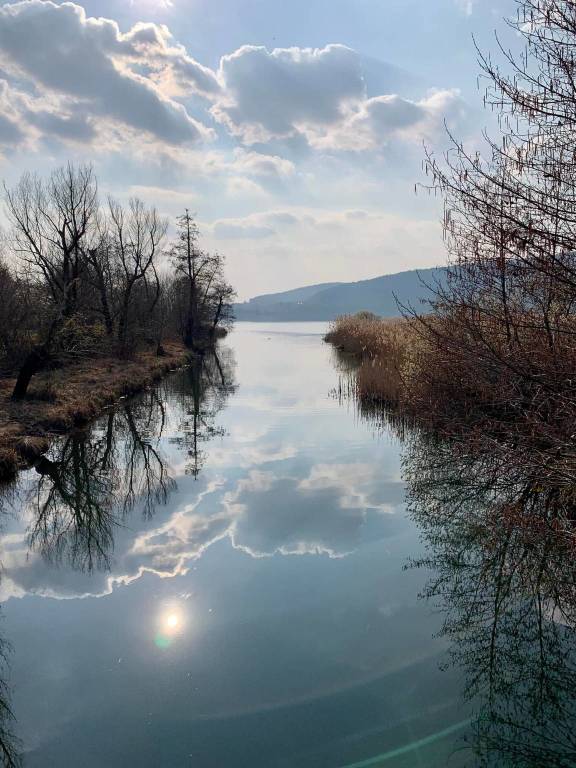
x=293 y=130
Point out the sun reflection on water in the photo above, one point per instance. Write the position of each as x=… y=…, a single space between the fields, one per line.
x=171 y=624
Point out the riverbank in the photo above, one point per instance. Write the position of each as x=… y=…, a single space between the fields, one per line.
x=69 y=397
x=385 y=350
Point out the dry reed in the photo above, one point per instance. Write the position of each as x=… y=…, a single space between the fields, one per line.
x=386 y=350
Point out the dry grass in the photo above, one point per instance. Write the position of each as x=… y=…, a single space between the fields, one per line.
x=386 y=349
x=70 y=397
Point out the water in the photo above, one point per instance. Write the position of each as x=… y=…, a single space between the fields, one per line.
x=215 y=575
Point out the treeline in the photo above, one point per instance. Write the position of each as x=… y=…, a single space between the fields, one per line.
x=80 y=277
x=494 y=359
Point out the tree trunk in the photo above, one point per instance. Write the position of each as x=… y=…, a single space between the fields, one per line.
x=189 y=332
x=108 y=322
x=123 y=322
x=35 y=361
x=191 y=324
x=217 y=316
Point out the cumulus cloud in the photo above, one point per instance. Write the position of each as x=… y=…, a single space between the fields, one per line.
x=262 y=166
x=74 y=127
x=383 y=118
x=98 y=71
x=320 y=95
x=10 y=132
x=75 y=77
x=272 y=94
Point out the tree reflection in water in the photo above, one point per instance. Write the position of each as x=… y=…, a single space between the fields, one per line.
x=10 y=747
x=93 y=478
x=500 y=536
x=204 y=388
x=502 y=545
x=10 y=755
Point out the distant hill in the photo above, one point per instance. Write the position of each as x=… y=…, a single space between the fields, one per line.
x=328 y=300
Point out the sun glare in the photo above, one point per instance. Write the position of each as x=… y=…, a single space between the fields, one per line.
x=171 y=623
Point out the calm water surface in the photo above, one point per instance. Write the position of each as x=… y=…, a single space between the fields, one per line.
x=215 y=575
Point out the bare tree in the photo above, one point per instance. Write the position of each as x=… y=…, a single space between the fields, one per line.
x=51 y=221
x=89 y=280
x=500 y=350
x=207 y=298
x=137 y=233
x=50 y=226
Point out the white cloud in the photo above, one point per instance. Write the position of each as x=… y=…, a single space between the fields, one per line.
x=353 y=484
x=93 y=69
x=291 y=247
x=323 y=512
x=333 y=504
x=244 y=189
x=298 y=144
x=320 y=95
x=276 y=94
x=263 y=166
x=385 y=118
x=240 y=229
x=75 y=78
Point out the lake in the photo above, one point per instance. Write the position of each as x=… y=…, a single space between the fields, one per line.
x=225 y=571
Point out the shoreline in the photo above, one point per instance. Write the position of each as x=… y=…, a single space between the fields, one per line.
x=68 y=398
x=384 y=350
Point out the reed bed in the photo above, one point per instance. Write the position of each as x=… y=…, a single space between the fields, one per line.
x=386 y=350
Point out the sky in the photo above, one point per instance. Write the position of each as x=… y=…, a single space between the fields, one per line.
x=293 y=130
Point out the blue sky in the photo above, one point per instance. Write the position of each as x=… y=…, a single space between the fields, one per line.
x=293 y=130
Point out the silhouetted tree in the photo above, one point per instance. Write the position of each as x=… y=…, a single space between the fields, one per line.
x=500 y=342
x=206 y=296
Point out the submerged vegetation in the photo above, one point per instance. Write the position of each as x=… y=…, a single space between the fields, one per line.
x=95 y=303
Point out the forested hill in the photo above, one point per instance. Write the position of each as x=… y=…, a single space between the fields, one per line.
x=328 y=300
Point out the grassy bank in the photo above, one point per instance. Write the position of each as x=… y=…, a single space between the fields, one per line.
x=69 y=397
x=386 y=350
